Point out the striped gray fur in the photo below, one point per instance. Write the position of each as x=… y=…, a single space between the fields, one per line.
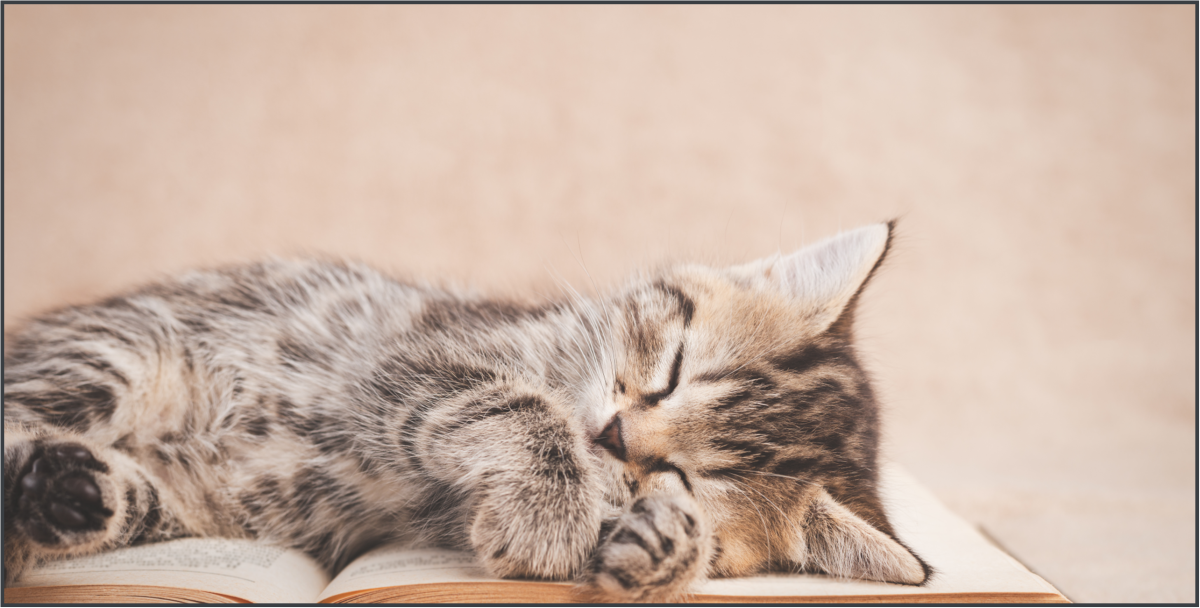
x=695 y=422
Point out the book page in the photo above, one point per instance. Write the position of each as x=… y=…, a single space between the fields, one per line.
x=244 y=569
x=397 y=565
x=965 y=562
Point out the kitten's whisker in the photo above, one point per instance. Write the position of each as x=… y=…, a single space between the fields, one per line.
x=765 y=474
x=579 y=246
x=585 y=309
x=585 y=313
x=761 y=519
x=782 y=513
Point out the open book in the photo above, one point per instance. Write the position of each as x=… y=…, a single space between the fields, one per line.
x=969 y=568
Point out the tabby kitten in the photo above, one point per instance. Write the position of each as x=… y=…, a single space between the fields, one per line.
x=698 y=422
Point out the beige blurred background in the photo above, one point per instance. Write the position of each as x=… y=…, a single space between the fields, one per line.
x=1033 y=336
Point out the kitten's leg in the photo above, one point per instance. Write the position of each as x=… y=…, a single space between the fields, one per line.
x=71 y=382
x=65 y=495
x=527 y=475
x=659 y=548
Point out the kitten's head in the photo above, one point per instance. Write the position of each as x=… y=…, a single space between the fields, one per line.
x=741 y=386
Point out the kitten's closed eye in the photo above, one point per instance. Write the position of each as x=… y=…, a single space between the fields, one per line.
x=666 y=466
x=652 y=399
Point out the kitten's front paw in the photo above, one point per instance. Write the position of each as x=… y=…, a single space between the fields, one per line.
x=658 y=549
x=522 y=531
x=58 y=501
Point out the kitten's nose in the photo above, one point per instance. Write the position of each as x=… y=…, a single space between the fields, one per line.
x=610 y=438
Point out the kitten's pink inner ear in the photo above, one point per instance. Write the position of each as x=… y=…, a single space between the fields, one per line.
x=824 y=277
x=838 y=542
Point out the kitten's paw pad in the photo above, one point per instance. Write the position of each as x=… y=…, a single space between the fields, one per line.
x=59 y=496
x=656 y=551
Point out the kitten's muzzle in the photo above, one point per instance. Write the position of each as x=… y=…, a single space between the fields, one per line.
x=611 y=440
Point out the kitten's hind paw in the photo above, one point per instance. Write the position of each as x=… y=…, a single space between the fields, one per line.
x=59 y=503
x=659 y=548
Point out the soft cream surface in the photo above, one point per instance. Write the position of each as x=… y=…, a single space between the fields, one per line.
x=1032 y=336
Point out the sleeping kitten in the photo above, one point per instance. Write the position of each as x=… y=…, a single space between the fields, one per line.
x=698 y=422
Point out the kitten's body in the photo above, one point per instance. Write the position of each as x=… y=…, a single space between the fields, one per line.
x=698 y=421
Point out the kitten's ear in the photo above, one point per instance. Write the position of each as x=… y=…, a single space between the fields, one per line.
x=838 y=542
x=827 y=276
